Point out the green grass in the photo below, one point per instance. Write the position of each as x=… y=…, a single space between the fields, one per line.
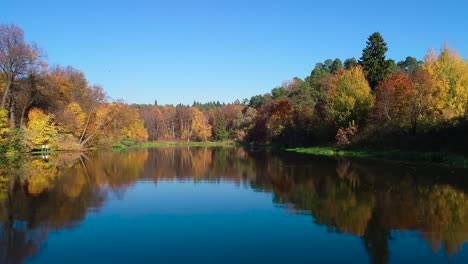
x=450 y=159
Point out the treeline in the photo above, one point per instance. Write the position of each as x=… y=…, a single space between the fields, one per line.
x=199 y=122
x=373 y=100
x=54 y=105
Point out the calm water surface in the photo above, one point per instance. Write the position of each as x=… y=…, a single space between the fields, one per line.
x=228 y=205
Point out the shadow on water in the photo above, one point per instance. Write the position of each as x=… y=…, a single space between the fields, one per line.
x=367 y=199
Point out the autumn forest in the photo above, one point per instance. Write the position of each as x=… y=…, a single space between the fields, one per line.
x=370 y=101
x=229 y=178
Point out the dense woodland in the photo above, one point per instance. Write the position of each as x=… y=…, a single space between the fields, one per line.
x=367 y=101
x=370 y=101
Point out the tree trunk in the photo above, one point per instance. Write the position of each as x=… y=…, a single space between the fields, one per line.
x=83 y=143
x=85 y=128
x=189 y=135
x=173 y=130
x=413 y=128
x=22 y=116
x=190 y=130
x=5 y=95
x=156 y=135
x=181 y=129
x=12 y=114
x=23 y=112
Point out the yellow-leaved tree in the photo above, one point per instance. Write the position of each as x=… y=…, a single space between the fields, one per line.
x=6 y=134
x=10 y=141
x=135 y=128
x=448 y=74
x=40 y=129
x=200 y=129
x=349 y=97
x=75 y=119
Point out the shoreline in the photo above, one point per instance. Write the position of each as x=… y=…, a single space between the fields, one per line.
x=156 y=144
x=455 y=160
x=442 y=158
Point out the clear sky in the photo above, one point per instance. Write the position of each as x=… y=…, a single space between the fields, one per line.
x=181 y=51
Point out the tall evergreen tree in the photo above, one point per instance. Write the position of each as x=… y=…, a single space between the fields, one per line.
x=219 y=132
x=373 y=61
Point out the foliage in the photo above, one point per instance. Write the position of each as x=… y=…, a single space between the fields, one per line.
x=64 y=142
x=243 y=123
x=344 y=136
x=349 y=98
x=9 y=140
x=200 y=127
x=40 y=130
x=75 y=119
x=219 y=132
x=350 y=63
x=134 y=129
x=393 y=104
x=410 y=65
x=59 y=107
x=323 y=70
x=281 y=115
x=373 y=61
x=17 y=58
x=449 y=73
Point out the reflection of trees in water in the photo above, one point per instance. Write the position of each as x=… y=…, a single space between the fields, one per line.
x=371 y=200
x=375 y=240
x=197 y=164
x=445 y=219
x=333 y=197
x=113 y=170
x=42 y=196
x=367 y=200
x=19 y=242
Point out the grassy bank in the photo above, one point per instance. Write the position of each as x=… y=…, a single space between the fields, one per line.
x=449 y=159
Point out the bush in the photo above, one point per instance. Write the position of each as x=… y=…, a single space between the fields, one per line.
x=344 y=137
x=64 y=142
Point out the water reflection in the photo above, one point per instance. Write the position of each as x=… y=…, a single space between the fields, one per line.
x=366 y=199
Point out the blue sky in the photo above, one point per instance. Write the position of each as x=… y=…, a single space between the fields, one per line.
x=181 y=51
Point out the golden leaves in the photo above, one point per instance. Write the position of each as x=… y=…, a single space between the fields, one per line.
x=349 y=97
x=40 y=129
x=448 y=74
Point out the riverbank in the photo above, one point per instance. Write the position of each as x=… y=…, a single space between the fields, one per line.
x=156 y=144
x=444 y=158
x=449 y=159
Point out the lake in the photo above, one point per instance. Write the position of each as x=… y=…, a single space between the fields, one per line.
x=229 y=205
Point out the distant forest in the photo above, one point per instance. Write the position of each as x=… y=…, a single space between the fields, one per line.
x=373 y=101
x=370 y=101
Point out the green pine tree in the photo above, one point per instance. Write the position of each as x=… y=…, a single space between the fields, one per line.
x=219 y=132
x=373 y=61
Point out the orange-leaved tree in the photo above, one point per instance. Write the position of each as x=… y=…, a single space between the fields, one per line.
x=200 y=129
x=393 y=102
x=281 y=117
